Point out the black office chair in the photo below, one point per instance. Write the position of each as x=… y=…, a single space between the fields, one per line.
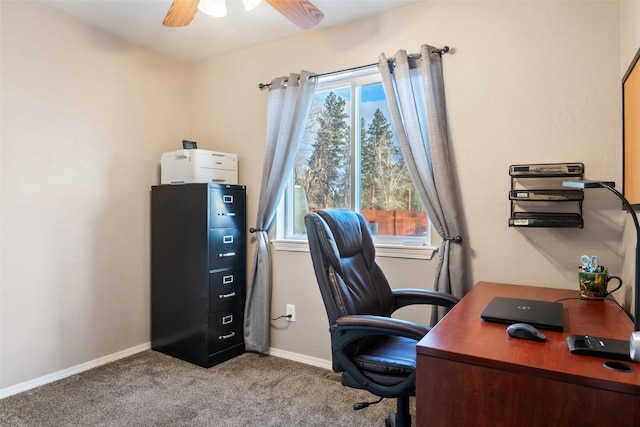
x=373 y=351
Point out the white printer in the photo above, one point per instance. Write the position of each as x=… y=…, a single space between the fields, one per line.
x=186 y=166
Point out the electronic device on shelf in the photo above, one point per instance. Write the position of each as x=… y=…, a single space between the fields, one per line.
x=189 y=145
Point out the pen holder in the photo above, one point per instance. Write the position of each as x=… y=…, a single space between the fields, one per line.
x=594 y=285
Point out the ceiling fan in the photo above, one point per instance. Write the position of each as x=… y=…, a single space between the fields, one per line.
x=301 y=12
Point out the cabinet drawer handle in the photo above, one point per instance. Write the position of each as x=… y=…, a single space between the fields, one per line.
x=232 y=294
x=226 y=337
x=227 y=254
x=227 y=319
x=227 y=199
x=226 y=214
x=227 y=279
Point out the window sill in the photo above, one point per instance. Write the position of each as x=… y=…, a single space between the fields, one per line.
x=382 y=250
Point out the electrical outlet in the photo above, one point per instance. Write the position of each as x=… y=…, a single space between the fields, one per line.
x=291 y=310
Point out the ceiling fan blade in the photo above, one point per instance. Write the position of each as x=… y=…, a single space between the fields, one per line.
x=181 y=13
x=300 y=12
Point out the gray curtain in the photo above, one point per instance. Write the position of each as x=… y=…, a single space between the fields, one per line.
x=288 y=106
x=414 y=87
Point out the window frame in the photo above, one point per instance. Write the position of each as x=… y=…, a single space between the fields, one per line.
x=386 y=246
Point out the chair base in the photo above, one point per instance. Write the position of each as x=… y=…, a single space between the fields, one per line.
x=394 y=421
x=402 y=416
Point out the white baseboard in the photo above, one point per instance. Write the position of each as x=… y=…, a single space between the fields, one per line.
x=297 y=357
x=55 y=376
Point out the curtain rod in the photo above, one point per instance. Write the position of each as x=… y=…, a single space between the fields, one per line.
x=444 y=49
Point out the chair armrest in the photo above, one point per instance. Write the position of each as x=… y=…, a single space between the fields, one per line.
x=359 y=326
x=404 y=297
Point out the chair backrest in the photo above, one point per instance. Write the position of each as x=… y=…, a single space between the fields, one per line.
x=343 y=254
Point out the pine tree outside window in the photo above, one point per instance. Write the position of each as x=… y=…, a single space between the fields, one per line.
x=350 y=158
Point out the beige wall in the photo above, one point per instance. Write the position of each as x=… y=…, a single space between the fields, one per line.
x=528 y=82
x=85 y=118
x=629 y=31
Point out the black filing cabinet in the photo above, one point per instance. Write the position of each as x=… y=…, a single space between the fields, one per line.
x=198 y=271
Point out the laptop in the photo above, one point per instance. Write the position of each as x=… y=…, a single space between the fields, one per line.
x=541 y=314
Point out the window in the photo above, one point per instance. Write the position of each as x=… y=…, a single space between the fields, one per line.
x=349 y=157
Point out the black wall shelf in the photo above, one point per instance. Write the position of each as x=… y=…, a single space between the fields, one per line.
x=538 y=199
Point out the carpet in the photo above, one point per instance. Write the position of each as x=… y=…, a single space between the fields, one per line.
x=153 y=389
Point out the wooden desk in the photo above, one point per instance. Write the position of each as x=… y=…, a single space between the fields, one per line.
x=471 y=373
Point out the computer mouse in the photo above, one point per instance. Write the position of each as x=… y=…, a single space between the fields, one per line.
x=526 y=332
